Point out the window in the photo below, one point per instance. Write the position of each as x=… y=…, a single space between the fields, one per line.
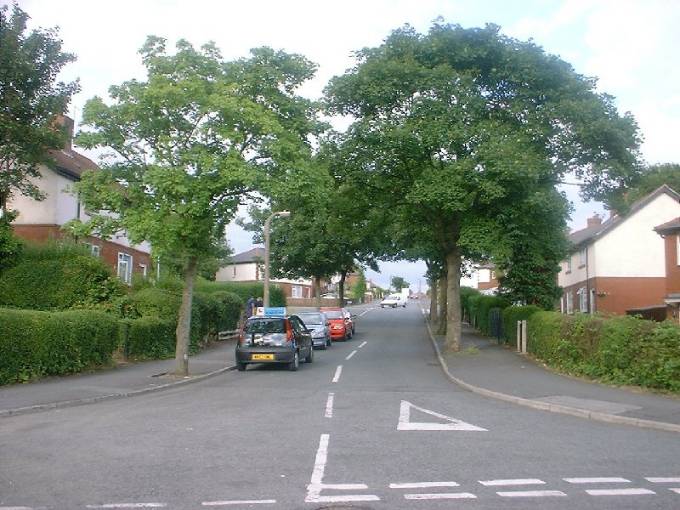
x=296 y=291
x=568 y=265
x=125 y=267
x=234 y=270
x=582 y=300
x=582 y=257
x=95 y=250
x=570 y=303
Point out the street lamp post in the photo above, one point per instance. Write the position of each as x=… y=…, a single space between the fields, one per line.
x=267 y=224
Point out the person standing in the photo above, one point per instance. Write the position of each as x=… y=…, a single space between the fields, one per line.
x=250 y=306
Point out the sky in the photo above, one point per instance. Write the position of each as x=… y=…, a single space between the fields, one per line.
x=629 y=45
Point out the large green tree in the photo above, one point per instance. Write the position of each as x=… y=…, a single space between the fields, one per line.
x=31 y=99
x=464 y=124
x=189 y=144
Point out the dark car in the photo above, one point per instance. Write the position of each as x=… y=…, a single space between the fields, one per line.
x=282 y=339
x=318 y=324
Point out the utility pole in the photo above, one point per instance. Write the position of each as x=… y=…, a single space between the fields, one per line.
x=267 y=225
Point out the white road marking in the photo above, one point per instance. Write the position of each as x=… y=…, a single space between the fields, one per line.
x=349 y=356
x=442 y=495
x=329 y=405
x=664 y=480
x=338 y=371
x=619 y=492
x=316 y=484
x=405 y=422
x=422 y=485
x=16 y=508
x=240 y=502
x=531 y=494
x=677 y=491
x=129 y=505
x=362 y=344
x=596 y=480
x=513 y=481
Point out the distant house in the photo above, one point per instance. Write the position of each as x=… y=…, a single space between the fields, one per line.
x=487 y=279
x=670 y=231
x=618 y=266
x=248 y=266
x=40 y=221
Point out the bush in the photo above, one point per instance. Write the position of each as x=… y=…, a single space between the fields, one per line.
x=58 y=277
x=148 y=337
x=243 y=289
x=35 y=344
x=511 y=315
x=621 y=349
x=482 y=305
x=466 y=293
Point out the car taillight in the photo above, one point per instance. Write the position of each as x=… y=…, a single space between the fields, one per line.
x=289 y=332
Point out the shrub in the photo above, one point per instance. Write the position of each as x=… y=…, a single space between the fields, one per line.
x=58 y=277
x=35 y=344
x=149 y=337
x=511 y=315
x=482 y=307
x=465 y=294
x=621 y=349
x=243 y=289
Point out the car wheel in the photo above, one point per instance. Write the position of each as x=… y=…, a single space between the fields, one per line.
x=329 y=342
x=293 y=365
x=394 y=306
x=324 y=346
x=310 y=358
x=241 y=367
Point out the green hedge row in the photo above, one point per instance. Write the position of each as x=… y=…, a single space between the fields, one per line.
x=244 y=290
x=620 y=350
x=511 y=315
x=479 y=307
x=58 y=277
x=35 y=344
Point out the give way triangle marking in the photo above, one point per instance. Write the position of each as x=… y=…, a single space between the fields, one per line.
x=405 y=422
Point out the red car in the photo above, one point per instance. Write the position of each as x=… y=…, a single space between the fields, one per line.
x=339 y=328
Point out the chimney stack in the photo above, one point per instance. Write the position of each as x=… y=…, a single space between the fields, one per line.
x=595 y=221
x=68 y=125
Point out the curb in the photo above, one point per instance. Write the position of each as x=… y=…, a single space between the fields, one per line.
x=93 y=400
x=553 y=408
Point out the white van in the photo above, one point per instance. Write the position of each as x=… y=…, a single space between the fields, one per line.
x=393 y=300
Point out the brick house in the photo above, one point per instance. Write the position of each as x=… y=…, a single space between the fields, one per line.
x=248 y=266
x=40 y=221
x=670 y=232
x=618 y=266
x=487 y=279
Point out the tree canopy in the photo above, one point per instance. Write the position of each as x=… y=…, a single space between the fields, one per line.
x=31 y=99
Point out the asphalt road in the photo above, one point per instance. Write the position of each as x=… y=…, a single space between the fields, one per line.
x=372 y=423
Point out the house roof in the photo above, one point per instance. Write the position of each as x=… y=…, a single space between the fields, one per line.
x=72 y=163
x=670 y=227
x=589 y=234
x=246 y=257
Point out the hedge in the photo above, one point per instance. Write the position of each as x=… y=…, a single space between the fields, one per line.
x=511 y=315
x=148 y=337
x=244 y=290
x=619 y=350
x=479 y=307
x=58 y=277
x=35 y=343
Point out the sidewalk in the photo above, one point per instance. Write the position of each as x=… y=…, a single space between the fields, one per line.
x=487 y=368
x=123 y=381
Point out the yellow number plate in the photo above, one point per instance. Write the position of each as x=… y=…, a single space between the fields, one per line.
x=262 y=357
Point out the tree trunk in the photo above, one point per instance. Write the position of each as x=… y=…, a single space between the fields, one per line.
x=442 y=305
x=453 y=329
x=184 y=320
x=341 y=287
x=317 y=291
x=433 y=301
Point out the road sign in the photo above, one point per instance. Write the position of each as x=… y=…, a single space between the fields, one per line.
x=405 y=422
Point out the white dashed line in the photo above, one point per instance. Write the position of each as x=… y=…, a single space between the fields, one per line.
x=240 y=502
x=329 y=405
x=441 y=495
x=515 y=481
x=531 y=494
x=345 y=499
x=677 y=491
x=16 y=508
x=349 y=356
x=338 y=371
x=129 y=505
x=422 y=485
x=362 y=344
x=664 y=480
x=596 y=480
x=619 y=492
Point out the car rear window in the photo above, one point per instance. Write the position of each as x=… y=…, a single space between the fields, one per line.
x=265 y=326
x=311 y=318
x=334 y=314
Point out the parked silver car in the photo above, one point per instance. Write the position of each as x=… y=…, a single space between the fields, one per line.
x=318 y=324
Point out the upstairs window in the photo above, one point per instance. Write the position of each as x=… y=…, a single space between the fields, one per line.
x=582 y=257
